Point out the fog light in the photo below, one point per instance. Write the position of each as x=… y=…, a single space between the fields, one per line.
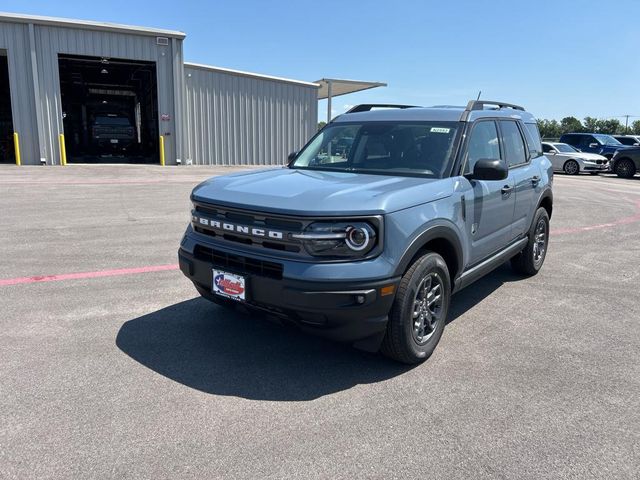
x=360 y=299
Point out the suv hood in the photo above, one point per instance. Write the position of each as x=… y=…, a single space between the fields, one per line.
x=314 y=192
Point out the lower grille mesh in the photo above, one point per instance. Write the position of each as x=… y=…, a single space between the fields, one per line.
x=239 y=263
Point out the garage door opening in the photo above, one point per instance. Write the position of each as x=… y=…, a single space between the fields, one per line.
x=7 y=152
x=109 y=109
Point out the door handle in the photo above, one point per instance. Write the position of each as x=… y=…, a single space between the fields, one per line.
x=535 y=180
x=506 y=190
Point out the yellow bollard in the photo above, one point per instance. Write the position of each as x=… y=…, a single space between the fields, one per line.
x=16 y=147
x=63 y=150
x=161 y=150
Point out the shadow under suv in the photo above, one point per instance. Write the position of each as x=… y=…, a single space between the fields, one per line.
x=366 y=233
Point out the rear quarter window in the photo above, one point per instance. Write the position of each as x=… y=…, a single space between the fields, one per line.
x=532 y=136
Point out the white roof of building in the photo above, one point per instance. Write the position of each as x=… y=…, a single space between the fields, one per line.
x=343 y=87
x=248 y=74
x=87 y=24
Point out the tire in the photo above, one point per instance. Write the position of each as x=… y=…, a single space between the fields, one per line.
x=571 y=167
x=625 y=168
x=412 y=340
x=530 y=260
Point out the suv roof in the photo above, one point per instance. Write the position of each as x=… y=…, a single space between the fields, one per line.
x=475 y=109
x=586 y=133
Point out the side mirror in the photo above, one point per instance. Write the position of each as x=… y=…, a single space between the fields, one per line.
x=292 y=156
x=550 y=152
x=593 y=145
x=490 y=169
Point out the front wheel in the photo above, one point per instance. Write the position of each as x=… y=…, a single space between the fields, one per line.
x=571 y=167
x=419 y=311
x=529 y=261
x=625 y=168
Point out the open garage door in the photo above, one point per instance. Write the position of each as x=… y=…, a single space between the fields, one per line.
x=110 y=110
x=7 y=153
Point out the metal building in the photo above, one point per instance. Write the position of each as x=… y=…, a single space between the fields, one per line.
x=237 y=118
x=90 y=91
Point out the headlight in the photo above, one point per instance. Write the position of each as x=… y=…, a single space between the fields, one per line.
x=339 y=239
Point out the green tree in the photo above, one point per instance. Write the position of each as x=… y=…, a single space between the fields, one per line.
x=592 y=124
x=635 y=127
x=612 y=126
x=321 y=125
x=570 y=124
x=549 y=129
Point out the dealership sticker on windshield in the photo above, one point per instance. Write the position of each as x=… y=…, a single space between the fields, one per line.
x=439 y=130
x=229 y=285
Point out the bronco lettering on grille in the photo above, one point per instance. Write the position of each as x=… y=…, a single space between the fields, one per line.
x=243 y=229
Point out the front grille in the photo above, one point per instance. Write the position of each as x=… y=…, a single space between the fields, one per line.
x=238 y=263
x=215 y=218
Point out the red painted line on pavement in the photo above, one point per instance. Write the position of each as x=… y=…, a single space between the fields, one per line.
x=82 y=275
x=621 y=221
x=105 y=182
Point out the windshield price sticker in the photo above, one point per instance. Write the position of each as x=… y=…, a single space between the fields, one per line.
x=439 y=130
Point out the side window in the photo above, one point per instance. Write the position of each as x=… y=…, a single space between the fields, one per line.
x=514 y=150
x=587 y=140
x=546 y=148
x=532 y=135
x=570 y=139
x=483 y=143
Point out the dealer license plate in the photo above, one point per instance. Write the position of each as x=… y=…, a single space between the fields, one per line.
x=229 y=285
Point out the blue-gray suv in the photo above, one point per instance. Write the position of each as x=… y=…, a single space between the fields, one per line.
x=368 y=231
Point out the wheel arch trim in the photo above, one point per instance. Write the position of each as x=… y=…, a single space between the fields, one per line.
x=434 y=232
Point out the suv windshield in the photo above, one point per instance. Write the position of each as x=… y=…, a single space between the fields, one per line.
x=607 y=139
x=386 y=148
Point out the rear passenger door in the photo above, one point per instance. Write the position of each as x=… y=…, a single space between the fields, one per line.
x=526 y=175
x=491 y=205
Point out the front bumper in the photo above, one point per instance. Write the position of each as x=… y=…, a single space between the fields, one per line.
x=595 y=167
x=349 y=311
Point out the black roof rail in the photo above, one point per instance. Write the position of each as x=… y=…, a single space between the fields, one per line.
x=480 y=104
x=367 y=107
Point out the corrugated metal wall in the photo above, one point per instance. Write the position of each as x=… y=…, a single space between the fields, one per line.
x=51 y=41
x=14 y=38
x=47 y=42
x=234 y=119
x=216 y=117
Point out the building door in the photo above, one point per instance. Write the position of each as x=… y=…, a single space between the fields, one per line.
x=7 y=152
x=109 y=109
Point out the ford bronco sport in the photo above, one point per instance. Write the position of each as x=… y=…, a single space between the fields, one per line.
x=367 y=232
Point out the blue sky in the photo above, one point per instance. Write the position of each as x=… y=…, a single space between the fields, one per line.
x=556 y=58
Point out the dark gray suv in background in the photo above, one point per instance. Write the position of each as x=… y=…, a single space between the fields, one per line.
x=373 y=225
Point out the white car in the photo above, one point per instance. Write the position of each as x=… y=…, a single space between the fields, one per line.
x=572 y=161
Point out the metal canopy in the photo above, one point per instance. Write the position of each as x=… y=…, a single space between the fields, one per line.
x=334 y=87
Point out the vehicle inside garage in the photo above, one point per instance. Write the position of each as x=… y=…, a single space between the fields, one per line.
x=110 y=109
x=7 y=154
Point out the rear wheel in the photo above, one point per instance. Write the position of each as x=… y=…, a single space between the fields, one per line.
x=529 y=261
x=625 y=168
x=419 y=311
x=571 y=167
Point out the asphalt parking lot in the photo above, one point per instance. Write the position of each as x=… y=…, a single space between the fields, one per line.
x=113 y=367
